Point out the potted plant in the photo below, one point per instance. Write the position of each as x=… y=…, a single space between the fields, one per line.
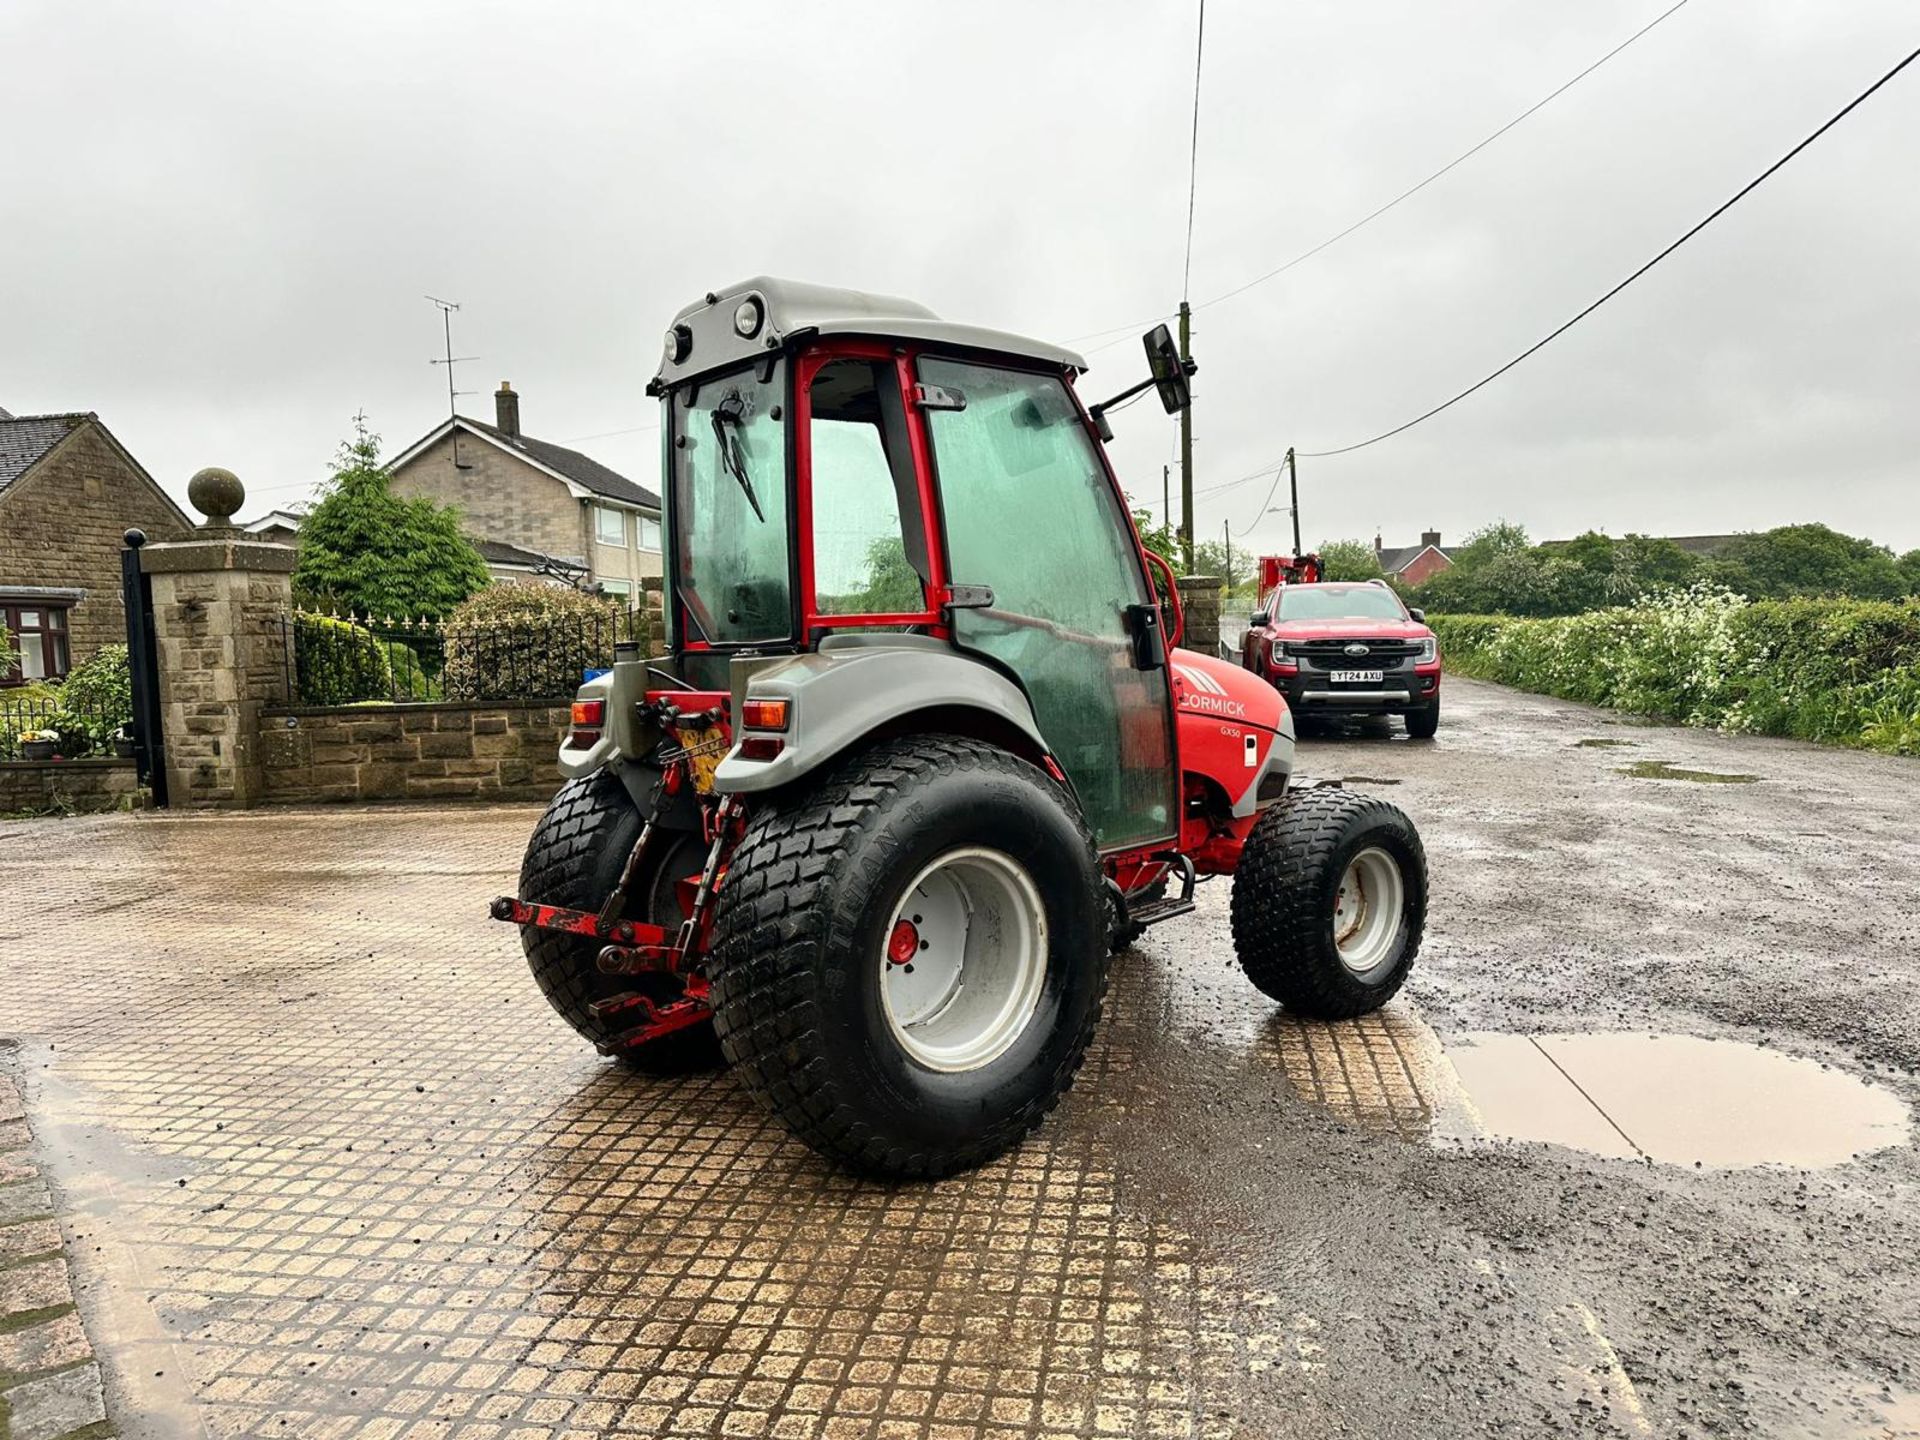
x=38 y=744
x=123 y=743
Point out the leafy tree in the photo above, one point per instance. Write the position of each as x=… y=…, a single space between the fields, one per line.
x=371 y=552
x=1160 y=539
x=893 y=586
x=1351 y=560
x=1910 y=571
x=1809 y=560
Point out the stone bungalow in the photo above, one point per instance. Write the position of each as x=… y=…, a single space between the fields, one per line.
x=68 y=492
x=537 y=510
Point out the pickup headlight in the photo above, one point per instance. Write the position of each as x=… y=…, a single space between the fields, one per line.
x=1279 y=652
x=1428 y=652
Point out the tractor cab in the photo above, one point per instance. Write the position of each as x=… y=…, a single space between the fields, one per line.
x=857 y=488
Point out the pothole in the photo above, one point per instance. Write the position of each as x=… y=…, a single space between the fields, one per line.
x=1673 y=1099
x=1662 y=770
x=1366 y=780
x=1599 y=744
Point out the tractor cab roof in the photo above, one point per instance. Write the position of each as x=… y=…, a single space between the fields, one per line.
x=763 y=314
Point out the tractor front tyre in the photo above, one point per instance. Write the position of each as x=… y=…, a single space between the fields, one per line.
x=910 y=955
x=574 y=859
x=1329 y=902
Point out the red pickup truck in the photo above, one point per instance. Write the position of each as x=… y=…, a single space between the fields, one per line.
x=1347 y=649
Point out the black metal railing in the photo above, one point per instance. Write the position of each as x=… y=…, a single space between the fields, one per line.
x=355 y=660
x=64 y=728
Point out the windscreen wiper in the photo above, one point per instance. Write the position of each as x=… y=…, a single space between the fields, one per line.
x=728 y=416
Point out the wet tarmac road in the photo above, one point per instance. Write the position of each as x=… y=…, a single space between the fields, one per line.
x=329 y=1168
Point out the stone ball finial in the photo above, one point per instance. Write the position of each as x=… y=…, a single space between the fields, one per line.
x=216 y=494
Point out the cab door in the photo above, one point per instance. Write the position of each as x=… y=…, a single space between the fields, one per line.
x=1029 y=512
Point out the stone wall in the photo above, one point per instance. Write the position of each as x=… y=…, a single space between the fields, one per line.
x=61 y=526
x=45 y=787
x=1200 y=598
x=486 y=750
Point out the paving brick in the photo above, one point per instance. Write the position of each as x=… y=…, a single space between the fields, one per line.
x=55 y=1405
x=46 y=1346
x=28 y=1237
x=24 y=1198
x=34 y=1285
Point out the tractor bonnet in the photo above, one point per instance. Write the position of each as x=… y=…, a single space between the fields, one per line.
x=760 y=315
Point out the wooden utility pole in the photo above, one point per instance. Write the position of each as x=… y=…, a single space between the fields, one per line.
x=1293 y=497
x=1226 y=533
x=1186 y=444
x=1166 y=495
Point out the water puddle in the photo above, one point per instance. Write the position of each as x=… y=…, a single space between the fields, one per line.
x=1599 y=744
x=1676 y=1099
x=1673 y=1099
x=1662 y=770
x=1366 y=780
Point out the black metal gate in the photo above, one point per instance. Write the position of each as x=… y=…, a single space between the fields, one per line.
x=149 y=746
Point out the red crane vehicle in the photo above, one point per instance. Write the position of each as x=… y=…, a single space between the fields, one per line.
x=923 y=749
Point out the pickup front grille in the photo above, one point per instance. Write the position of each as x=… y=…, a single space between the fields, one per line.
x=1333 y=653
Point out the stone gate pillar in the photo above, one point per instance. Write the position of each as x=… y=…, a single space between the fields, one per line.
x=219 y=605
x=1200 y=597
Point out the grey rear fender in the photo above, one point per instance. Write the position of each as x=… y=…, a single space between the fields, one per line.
x=866 y=685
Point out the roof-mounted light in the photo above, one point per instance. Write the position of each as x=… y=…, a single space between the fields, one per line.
x=679 y=344
x=747 y=318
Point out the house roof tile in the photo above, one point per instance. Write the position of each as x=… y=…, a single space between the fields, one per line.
x=581 y=469
x=25 y=439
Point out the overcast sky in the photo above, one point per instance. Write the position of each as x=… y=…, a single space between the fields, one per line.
x=218 y=221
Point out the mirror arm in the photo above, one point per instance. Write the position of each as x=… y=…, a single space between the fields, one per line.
x=1105 y=405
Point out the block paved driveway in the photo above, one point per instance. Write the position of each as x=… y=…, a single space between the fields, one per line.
x=328 y=1166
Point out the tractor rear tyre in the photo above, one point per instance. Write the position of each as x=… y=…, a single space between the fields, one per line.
x=574 y=859
x=1329 y=902
x=1422 y=724
x=910 y=955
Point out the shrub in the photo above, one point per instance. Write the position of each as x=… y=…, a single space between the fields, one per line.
x=336 y=662
x=98 y=694
x=527 y=641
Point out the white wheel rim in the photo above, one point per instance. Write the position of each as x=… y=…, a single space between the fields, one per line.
x=1366 y=911
x=962 y=959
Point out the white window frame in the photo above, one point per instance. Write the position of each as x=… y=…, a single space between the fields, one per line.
x=600 y=514
x=641 y=534
x=617 y=586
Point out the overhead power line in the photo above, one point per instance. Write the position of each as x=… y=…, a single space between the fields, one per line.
x=1367 y=219
x=1562 y=329
x=1193 y=154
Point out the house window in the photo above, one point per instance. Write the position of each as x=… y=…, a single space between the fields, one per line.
x=616 y=589
x=40 y=636
x=610 y=525
x=649 y=534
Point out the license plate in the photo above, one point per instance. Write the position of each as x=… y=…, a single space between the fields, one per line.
x=1355 y=677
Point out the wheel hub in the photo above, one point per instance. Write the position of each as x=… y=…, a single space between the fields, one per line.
x=1366 y=910
x=964 y=958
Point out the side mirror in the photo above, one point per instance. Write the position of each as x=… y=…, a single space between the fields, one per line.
x=1259 y=618
x=1170 y=372
x=1419 y=615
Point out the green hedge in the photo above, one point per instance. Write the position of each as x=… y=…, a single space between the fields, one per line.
x=1843 y=671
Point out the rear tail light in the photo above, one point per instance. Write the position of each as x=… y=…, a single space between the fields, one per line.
x=589 y=717
x=763 y=714
x=761 y=747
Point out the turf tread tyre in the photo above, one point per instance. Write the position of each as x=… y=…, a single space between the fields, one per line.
x=1283 y=888
x=574 y=859
x=790 y=905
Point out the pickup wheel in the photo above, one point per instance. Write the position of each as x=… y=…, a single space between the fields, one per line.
x=1423 y=723
x=574 y=859
x=1329 y=902
x=910 y=955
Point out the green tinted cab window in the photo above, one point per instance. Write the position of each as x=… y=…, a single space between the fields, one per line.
x=733 y=561
x=1029 y=512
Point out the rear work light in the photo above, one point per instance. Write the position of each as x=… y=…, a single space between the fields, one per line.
x=763 y=714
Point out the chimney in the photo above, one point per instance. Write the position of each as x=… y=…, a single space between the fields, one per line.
x=506 y=409
x=1430 y=537
x=1377 y=546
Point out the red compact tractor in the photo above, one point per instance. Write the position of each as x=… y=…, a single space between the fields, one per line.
x=922 y=750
